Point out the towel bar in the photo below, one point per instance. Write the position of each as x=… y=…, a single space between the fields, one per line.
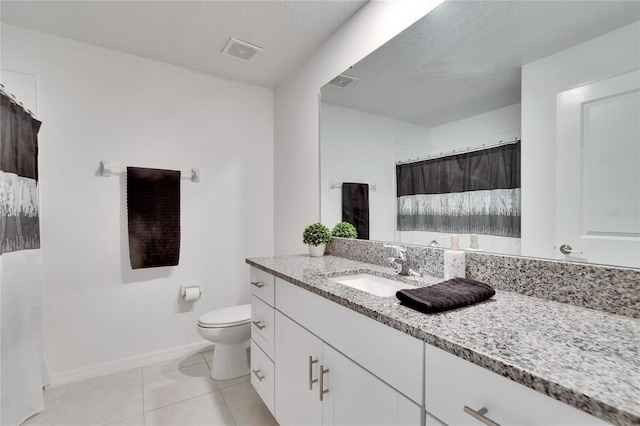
x=106 y=170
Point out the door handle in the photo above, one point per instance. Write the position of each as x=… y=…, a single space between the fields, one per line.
x=322 y=389
x=566 y=249
x=257 y=374
x=311 y=379
x=480 y=415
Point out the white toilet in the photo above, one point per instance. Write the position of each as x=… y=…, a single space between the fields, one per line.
x=230 y=330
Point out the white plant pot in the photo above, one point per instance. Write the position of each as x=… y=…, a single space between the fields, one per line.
x=317 y=251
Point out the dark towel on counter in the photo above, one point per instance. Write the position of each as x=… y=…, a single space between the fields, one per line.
x=355 y=207
x=450 y=294
x=153 y=213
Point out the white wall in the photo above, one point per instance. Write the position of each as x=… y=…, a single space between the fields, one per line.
x=296 y=109
x=99 y=104
x=608 y=55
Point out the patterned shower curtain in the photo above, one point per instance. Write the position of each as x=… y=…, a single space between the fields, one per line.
x=471 y=193
x=22 y=367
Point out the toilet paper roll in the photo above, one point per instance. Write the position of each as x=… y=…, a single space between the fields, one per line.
x=191 y=293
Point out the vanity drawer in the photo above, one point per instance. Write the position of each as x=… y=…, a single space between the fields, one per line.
x=262 y=285
x=452 y=383
x=262 y=321
x=262 y=376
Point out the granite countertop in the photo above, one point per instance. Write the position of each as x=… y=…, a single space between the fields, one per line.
x=586 y=358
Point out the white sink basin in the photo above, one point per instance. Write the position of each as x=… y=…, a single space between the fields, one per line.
x=372 y=284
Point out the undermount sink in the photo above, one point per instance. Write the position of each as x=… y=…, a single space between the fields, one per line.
x=372 y=284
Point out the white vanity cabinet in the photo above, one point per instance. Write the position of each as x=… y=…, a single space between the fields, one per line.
x=337 y=367
x=317 y=385
x=262 y=335
x=453 y=383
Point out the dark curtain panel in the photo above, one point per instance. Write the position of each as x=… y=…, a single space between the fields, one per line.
x=20 y=223
x=153 y=215
x=355 y=207
x=475 y=192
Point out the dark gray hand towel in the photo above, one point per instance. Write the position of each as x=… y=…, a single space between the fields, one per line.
x=355 y=207
x=450 y=294
x=153 y=209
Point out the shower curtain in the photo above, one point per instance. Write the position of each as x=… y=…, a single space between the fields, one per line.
x=476 y=192
x=22 y=367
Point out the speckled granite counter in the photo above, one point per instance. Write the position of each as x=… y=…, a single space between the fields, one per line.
x=588 y=359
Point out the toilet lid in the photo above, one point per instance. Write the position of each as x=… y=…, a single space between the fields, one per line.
x=226 y=317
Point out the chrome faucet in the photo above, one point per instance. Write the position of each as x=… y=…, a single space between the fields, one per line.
x=400 y=259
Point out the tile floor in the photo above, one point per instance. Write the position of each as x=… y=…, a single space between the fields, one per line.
x=173 y=393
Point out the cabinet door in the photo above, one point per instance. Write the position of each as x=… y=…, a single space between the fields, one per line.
x=296 y=404
x=356 y=397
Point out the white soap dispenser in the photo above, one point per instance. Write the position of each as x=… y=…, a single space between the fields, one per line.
x=454 y=262
x=474 y=246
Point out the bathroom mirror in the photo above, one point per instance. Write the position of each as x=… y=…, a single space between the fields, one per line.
x=478 y=74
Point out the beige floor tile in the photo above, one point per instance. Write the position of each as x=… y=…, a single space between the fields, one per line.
x=163 y=367
x=131 y=421
x=209 y=409
x=57 y=392
x=101 y=406
x=232 y=382
x=246 y=406
x=45 y=417
x=177 y=385
x=104 y=381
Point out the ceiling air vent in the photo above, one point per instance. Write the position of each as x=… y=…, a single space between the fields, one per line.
x=343 y=80
x=240 y=49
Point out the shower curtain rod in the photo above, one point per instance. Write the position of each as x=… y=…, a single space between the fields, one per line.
x=15 y=100
x=459 y=151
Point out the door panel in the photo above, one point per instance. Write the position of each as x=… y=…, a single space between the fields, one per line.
x=357 y=397
x=598 y=171
x=295 y=403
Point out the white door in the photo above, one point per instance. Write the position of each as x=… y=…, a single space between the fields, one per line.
x=598 y=171
x=296 y=386
x=356 y=397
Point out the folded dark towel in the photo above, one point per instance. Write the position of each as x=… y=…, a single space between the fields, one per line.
x=153 y=213
x=450 y=294
x=355 y=207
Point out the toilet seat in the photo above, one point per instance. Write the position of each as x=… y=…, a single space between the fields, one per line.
x=226 y=317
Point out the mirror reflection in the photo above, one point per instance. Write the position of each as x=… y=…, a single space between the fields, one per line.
x=469 y=79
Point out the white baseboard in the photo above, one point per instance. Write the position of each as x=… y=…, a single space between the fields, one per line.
x=70 y=376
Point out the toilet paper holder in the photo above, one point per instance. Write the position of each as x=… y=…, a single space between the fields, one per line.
x=190 y=293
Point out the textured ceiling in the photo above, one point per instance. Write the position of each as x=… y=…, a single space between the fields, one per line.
x=464 y=58
x=192 y=34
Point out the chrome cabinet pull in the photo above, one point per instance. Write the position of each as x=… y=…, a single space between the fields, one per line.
x=257 y=374
x=321 y=387
x=480 y=415
x=566 y=249
x=259 y=325
x=311 y=379
x=257 y=284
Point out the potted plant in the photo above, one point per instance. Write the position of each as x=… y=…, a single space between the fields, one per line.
x=316 y=236
x=344 y=230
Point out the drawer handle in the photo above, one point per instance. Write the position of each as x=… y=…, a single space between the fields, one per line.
x=480 y=415
x=322 y=389
x=259 y=325
x=257 y=374
x=311 y=379
x=257 y=284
